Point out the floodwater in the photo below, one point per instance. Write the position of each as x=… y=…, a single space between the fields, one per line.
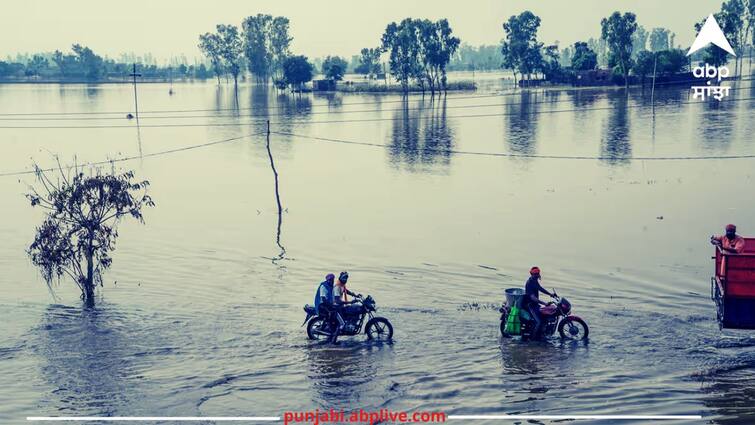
x=200 y=313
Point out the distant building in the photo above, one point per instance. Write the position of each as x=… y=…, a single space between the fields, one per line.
x=323 y=85
x=594 y=77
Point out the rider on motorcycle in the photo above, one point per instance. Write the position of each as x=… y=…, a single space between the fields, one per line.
x=532 y=301
x=343 y=307
x=324 y=295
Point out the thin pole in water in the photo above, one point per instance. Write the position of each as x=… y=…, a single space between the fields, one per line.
x=652 y=89
x=136 y=101
x=277 y=198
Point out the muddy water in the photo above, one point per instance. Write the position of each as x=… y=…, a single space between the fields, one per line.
x=201 y=312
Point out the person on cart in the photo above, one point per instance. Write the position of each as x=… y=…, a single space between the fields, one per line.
x=731 y=242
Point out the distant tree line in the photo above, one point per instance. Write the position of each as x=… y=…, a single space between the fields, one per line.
x=262 y=47
x=82 y=64
x=624 y=47
x=419 y=52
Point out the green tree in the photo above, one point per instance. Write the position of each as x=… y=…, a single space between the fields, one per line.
x=280 y=42
x=551 y=66
x=437 y=46
x=89 y=62
x=639 y=40
x=266 y=45
x=400 y=40
x=209 y=44
x=334 y=68
x=297 y=71
x=369 y=62
x=643 y=64
x=672 y=61
x=81 y=226
x=11 y=69
x=230 y=49
x=37 y=65
x=617 y=31
x=584 y=58
x=520 y=49
x=660 y=39
x=256 y=34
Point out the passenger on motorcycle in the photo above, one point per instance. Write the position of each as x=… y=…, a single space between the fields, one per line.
x=532 y=300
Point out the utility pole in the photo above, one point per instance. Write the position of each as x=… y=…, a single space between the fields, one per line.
x=652 y=90
x=136 y=102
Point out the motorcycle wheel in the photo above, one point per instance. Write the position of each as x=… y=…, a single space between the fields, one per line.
x=315 y=329
x=503 y=327
x=379 y=329
x=573 y=328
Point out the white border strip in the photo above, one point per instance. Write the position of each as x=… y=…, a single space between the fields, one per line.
x=155 y=418
x=577 y=417
x=277 y=418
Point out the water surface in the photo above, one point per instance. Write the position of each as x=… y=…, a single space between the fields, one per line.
x=200 y=313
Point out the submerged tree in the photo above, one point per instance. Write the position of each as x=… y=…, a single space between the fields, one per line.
x=584 y=58
x=296 y=71
x=400 y=40
x=520 y=49
x=420 y=49
x=209 y=44
x=230 y=49
x=334 y=68
x=617 y=30
x=369 y=62
x=266 y=45
x=660 y=39
x=83 y=212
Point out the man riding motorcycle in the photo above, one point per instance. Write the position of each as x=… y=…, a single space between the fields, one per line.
x=342 y=306
x=324 y=294
x=532 y=302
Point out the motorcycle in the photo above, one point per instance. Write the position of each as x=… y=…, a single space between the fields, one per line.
x=323 y=326
x=555 y=316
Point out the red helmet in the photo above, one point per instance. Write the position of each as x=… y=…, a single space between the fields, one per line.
x=731 y=227
x=535 y=271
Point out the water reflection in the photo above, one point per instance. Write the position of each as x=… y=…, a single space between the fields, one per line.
x=715 y=125
x=616 y=144
x=730 y=391
x=87 y=361
x=342 y=377
x=581 y=99
x=521 y=124
x=334 y=100
x=421 y=137
x=92 y=90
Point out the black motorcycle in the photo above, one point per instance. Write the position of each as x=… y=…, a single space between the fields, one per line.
x=323 y=326
x=555 y=316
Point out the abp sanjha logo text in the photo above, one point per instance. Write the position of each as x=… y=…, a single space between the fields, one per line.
x=710 y=33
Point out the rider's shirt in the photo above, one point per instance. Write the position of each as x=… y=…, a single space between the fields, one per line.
x=737 y=244
x=338 y=293
x=532 y=287
x=324 y=291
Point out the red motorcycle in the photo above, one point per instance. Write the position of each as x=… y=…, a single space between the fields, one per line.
x=554 y=316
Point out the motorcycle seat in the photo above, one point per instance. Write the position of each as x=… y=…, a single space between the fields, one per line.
x=548 y=310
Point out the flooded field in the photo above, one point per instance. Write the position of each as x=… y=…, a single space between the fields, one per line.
x=435 y=206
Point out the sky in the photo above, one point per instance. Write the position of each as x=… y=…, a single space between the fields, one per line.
x=168 y=28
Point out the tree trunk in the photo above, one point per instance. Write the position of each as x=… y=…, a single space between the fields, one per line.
x=89 y=283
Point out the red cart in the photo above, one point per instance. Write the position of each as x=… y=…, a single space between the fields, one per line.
x=733 y=287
